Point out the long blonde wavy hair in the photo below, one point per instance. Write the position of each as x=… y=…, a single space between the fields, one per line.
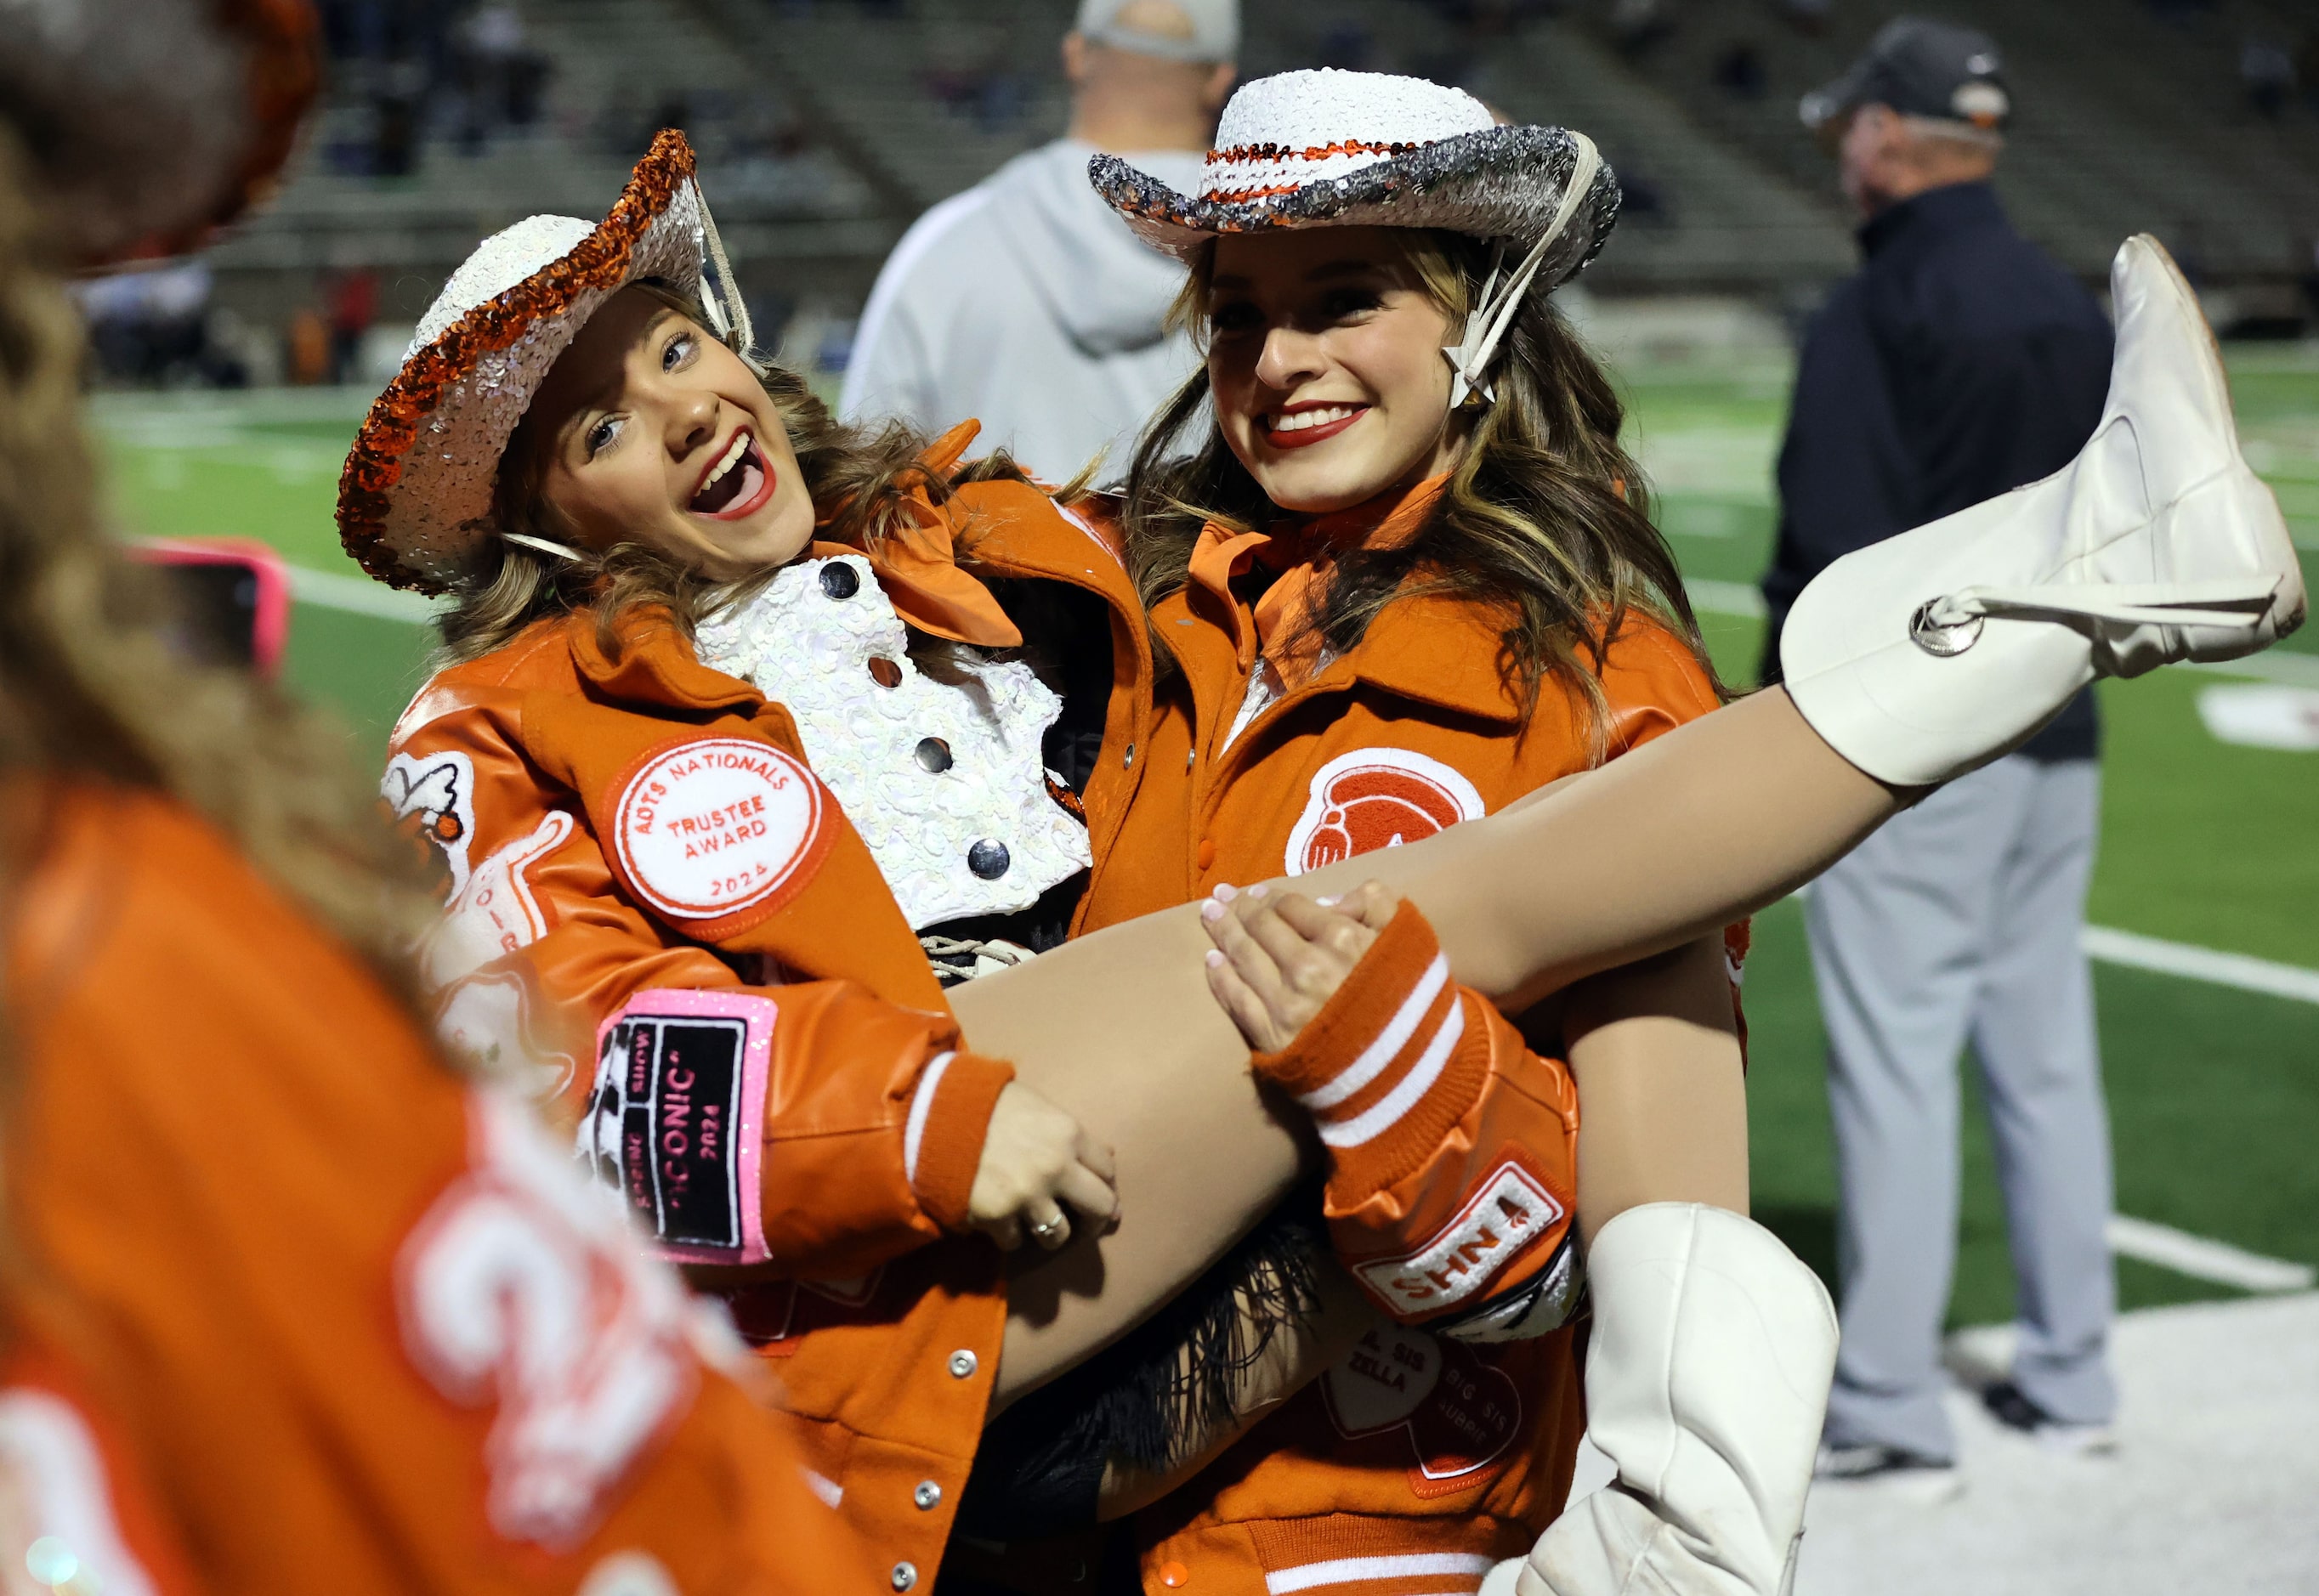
x=1546 y=518
x=87 y=686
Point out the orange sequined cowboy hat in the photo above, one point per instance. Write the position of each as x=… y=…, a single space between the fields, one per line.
x=415 y=502
x=151 y=124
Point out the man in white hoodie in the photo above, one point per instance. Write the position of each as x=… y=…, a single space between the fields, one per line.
x=1025 y=302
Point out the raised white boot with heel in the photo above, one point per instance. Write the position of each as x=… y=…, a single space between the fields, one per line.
x=1928 y=655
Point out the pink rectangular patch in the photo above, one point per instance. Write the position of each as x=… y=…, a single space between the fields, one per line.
x=677 y=1118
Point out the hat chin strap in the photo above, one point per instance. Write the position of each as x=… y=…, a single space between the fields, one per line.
x=546 y=547
x=728 y=312
x=1487 y=325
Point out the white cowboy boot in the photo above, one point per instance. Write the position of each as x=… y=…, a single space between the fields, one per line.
x=1930 y=654
x=1707 y=1377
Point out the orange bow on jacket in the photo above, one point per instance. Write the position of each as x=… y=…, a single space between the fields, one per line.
x=916 y=561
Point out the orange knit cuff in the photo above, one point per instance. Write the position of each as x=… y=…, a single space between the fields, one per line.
x=950 y=1115
x=1389 y=1063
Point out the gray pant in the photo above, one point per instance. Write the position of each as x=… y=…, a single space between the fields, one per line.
x=1960 y=921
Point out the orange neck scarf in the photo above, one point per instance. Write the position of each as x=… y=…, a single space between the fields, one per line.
x=918 y=564
x=1304 y=553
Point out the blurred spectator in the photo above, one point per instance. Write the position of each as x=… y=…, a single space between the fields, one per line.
x=152 y=328
x=310 y=348
x=353 y=306
x=1807 y=16
x=1488 y=19
x=1959 y=364
x=1636 y=25
x=1739 y=71
x=1348 y=47
x=396 y=107
x=2267 y=75
x=1024 y=302
x=1641 y=199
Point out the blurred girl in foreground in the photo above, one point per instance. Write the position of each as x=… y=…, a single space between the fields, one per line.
x=288 y=1299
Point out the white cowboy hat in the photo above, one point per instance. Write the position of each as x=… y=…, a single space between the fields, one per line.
x=415 y=499
x=1331 y=148
x=153 y=122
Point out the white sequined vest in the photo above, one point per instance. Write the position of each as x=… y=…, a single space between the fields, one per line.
x=946 y=784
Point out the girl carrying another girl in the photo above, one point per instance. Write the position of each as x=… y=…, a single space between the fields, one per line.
x=1396 y=593
x=1405 y=576
x=586 y=463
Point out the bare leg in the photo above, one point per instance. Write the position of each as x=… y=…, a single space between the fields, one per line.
x=1662 y=846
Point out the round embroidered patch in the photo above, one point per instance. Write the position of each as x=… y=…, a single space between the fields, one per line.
x=1376 y=797
x=716 y=825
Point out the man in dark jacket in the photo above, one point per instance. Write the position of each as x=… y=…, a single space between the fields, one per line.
x=1959 y=364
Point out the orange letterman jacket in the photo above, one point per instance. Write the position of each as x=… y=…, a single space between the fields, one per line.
x=1424 y=1457
x=636 y=841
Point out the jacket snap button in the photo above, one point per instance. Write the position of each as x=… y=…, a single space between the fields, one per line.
x=839 y=581
x=989 y=859
x=1128 y=763
x=928 y=1495
x=1207 y=851
x=906 y=1574
x=1174 y=1576
x=1188 y=754
x=885 y=673
x=962 y=1363
x=934 y=755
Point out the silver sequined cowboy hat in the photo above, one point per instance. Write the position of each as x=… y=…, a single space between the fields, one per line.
x=1367 y=149
x=415 y=499
x=151 y=124
x=1331 y=148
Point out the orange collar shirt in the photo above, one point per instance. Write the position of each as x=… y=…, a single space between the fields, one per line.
x=1421 y=1459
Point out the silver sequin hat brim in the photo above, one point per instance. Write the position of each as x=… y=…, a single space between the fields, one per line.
x=1497 y=182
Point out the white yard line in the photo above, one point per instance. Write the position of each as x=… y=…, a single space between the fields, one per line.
x=1725 y=598
x=2204 y=1259
x=2242 y=971
x=359 y=595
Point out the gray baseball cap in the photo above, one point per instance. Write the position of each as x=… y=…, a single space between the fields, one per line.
x=1215 y=30
x=1920 y=68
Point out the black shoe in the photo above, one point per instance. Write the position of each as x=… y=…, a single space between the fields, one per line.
x=1907 y=1474
x=2009 y=1407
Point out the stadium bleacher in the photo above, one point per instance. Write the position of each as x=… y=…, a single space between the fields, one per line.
x=2133 y=116
x=2125 y=120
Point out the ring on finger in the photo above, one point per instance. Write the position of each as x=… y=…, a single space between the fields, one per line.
x=1047 y=1230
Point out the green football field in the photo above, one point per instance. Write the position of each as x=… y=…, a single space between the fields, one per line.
x=2213 y=1090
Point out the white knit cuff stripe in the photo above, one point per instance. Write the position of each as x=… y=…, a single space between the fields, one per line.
x=1386 y=1112
x=1388 y=1045
x=922 y=1103
x=1349 y=1571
